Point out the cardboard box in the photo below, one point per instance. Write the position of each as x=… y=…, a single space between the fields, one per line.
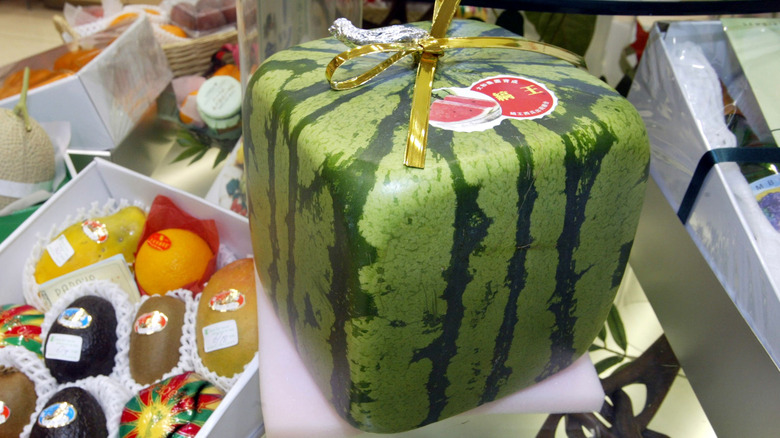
x=108 y=96
x=239 y=413
x=726 y=223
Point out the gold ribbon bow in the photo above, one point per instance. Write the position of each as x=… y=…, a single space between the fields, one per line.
x=429 y=49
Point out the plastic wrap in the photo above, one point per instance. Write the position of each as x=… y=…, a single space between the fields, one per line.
x=677 y=91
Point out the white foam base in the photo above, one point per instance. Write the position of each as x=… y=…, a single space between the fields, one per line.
x=294 y=407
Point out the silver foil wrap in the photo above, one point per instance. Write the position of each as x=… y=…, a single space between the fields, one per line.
x=353 y=36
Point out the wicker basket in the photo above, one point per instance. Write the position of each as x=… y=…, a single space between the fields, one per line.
x=190 y=56
x=193 y=57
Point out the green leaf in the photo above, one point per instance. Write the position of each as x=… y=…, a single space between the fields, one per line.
x=607 y=363
x=199 y=155
x=569 y=31
x=595 y=347
x=188 y=142
x=617 y=329
x=223 y=153
x=189 y=152
x=603 y=334
x=618 y=369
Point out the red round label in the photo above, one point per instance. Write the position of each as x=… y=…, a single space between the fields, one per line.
x=150 y=323
x=95 y=230
x=159 y=241
x=5 y=412
x=227 y=301
x=519 y=98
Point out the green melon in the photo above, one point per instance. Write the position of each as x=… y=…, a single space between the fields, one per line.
x=416 y=294
x=26 y=151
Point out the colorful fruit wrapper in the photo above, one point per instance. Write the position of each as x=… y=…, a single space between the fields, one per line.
x=163 y=214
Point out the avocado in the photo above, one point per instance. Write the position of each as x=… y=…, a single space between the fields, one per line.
x=228 y=310
x=70 y=413
x=89 y=321
x=17 y=401
x=156 y=338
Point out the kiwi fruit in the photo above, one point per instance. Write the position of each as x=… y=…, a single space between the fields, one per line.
x=17 y=401
x=156 y=338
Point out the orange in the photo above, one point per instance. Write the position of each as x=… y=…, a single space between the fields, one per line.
x=122 y=17
x=184 y=117
x=229 y=70
x=13 y=83
x=74 y=61
x=171 y=259
x=174 y=30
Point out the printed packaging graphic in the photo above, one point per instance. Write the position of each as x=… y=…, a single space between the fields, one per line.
x=486 y=103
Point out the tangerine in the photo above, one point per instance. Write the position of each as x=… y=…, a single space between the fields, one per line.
x=122 y=17
x=75 y=60
x=229 y=70
x=171 y=259
x=174 y=30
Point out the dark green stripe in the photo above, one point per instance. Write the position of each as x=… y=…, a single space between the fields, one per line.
x=517 y=274
x=581 y=173
x=283 y=109
x=345 y=298
x=350 y=182
x=470 y=228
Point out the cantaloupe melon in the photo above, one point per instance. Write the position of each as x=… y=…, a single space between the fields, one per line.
x=26 y=152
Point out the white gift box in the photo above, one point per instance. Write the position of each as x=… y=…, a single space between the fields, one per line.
x=106 y=98
x=239 y=414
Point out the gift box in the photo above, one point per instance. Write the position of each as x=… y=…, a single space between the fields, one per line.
x=684 y=116
x=239 y=412
x=414 y=293
x=107 y=97
x=711 y=274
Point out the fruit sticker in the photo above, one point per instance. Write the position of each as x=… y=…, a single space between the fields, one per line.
x=57 y=415
x=95 y=230
x=150 y=323
x=767 y=193
x=75 y=318
x=486 y=103
x=159 y=241
x=5 y=412
x=227 y=301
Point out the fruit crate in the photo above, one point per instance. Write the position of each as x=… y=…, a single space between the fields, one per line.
x=239 y=413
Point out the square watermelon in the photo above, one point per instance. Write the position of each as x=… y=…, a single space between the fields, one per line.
x=415 y=294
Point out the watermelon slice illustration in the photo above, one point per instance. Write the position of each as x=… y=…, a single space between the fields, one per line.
x=458 y=111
